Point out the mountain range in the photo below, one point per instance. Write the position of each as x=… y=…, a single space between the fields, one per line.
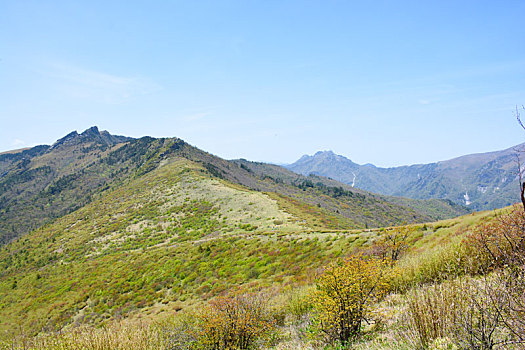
x=43 y=183
x=98 y=226
x=479 y=181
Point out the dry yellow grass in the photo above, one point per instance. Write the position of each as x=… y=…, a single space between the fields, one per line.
x=115 y=336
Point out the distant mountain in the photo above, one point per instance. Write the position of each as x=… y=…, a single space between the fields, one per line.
x=480 y=181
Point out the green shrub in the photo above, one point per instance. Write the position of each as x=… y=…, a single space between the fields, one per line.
x=299 y=303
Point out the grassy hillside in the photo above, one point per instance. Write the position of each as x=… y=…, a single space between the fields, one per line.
x=362 y=202
x=436 y=209
x=167 y=239
x=151 y=269
x=144 y=228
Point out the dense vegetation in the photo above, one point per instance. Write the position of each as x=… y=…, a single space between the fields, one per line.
x=189 y=251
x=452 y=284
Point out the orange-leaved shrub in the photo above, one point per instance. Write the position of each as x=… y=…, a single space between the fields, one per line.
x=499 y=243
x=393 y=243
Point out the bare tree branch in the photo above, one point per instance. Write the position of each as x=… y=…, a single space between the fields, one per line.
x=520 y=171
x=518 y=117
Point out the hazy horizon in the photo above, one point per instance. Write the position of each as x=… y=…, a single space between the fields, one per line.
x=387 y=83
x=270 y=161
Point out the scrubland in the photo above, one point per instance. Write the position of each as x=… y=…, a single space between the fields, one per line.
x=161 y=263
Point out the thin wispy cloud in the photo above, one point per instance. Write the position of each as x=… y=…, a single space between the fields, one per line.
x=428 y=101
x=82 y=83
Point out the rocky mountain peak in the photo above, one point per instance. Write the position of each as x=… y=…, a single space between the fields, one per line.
x=92 y=131
x=90 y=135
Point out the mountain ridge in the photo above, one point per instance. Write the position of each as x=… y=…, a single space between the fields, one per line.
x=44 y=183
x=480 y=180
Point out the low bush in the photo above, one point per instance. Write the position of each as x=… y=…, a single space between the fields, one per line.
x=393 y=242
x=345 y=293
x=299 y=303
x=240 y=321
x=499 y=246
x=499 y=243
x=235 y=322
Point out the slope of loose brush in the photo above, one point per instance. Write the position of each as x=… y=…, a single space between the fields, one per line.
x=170 y=278
x=170 y=238
x=348 y=207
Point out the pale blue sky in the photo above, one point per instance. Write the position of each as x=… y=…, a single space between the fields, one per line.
x=384 y=82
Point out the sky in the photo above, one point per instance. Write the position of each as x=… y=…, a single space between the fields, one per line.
x=382 y=82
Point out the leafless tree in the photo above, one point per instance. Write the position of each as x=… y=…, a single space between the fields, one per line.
x=520 y=170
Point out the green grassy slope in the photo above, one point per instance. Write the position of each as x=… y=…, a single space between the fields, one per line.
x=171 y=237
x=148 y=226
x=436 y=209
x=348 y=201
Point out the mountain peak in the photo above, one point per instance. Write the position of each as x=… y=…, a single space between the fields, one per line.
x=322 y=163
x=91 y=131
x=91 y=134
x=330 y=156
x=72 y=135
x=321 y=153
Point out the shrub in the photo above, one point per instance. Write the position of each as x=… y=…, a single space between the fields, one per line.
x=433 y=311
x=240 y=321
x=499 y=246
x=393 y=243
x=345 y=293
x=180 y=332
x=114 y=336
x=299 y=303
x=234 y=322
x=500 y=242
